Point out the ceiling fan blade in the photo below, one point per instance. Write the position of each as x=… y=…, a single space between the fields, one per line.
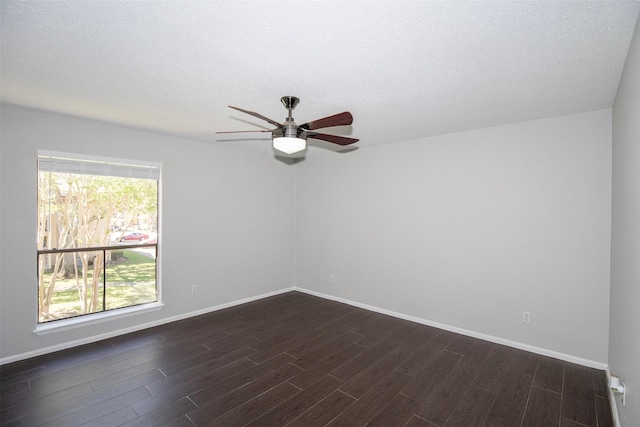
x=260 y=116
x=341 y=119
x=335 y=139
x=243 y=131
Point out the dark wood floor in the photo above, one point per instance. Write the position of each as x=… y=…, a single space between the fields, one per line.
x=299 y=360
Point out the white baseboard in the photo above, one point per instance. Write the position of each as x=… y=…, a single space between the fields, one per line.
x=88 y=340
x=497 y=340
x=612 y=401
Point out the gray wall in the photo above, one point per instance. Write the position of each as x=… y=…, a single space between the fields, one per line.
x=226 y=221
x=471 y=229
x=624 y=340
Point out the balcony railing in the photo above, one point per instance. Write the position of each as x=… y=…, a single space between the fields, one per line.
x=80 y=281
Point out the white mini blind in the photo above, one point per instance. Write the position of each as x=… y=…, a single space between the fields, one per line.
x=97 y=166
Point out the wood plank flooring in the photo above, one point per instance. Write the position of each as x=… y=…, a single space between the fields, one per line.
x=299 y=360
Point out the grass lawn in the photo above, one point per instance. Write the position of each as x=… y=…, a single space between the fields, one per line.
x=129 y=282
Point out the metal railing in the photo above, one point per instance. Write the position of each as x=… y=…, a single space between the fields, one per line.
x=80 y=263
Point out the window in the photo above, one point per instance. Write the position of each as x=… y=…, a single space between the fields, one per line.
x=97 y=235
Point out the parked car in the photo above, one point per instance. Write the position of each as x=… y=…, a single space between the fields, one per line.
x=134 y=236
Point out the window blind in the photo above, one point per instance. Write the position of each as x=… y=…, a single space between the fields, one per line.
x=97 y=166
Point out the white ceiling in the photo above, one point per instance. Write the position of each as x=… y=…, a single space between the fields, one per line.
x=404 y=69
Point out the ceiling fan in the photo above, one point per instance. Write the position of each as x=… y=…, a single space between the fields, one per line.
x=290 y=138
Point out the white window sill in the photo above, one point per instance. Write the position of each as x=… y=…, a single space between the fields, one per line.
x=92 y=319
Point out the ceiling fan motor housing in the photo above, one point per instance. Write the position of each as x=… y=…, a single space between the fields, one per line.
x=289 y=130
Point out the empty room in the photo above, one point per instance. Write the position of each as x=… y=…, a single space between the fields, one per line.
x=310 y=213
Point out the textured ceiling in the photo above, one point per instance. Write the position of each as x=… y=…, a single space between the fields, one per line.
x=404 y=69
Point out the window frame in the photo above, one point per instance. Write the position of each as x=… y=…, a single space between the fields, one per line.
x=138 y=169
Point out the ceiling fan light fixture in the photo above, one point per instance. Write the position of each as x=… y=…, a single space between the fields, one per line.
x=289 y=145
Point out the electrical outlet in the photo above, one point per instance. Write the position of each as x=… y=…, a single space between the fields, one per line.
x=194 y=289
x=332 y=277
x=526 y=317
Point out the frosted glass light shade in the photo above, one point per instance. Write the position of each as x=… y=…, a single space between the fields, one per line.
x=289 y=145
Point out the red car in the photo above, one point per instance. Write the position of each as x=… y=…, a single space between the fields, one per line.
x=134 y=236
